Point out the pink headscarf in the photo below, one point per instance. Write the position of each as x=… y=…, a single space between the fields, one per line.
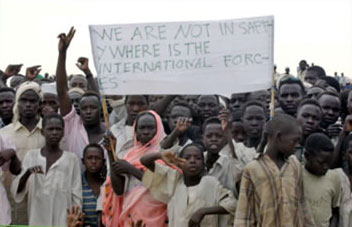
x=137 y=203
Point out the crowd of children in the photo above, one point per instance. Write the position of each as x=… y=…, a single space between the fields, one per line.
x=177 y=161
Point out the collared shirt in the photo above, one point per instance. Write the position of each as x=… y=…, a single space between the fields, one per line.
x=89 y=207
x=50 y=194
x=23 y=140
x=244 y=154
x=273 y=197
x=167 y=185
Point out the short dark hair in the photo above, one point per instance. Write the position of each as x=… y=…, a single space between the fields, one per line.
x=7 y=89
x=292 y=80
x=329 y=93
x=318 y=142
x=181 y=104
x=319 y=70
x=210 y=120
x=254 y=103
x=91 y=94
x=193 y=144
x=216 y=97
x=309 y=102
x=50 y=116
x=93 y=145
x=331 y=81
x=141 y=114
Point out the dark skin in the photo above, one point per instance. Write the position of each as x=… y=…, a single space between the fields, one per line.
x=282 y=144
x=253 y=122
x=290 y=95
x=134 y=105
x=145 y=131
x=331 y=106
x=53 y=133
x=28 y=107
x=238 y=132
x=50 y=104
x=313 y=92
x=311 y=77
x=95 y=131
x=93 y=160
x=208 y=106
x=309 y=117
x=192 y=164
x=15 y=163
x=237 y=101
x=82 y=64
x=7 y=101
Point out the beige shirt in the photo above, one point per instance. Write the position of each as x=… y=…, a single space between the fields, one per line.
x=345 y=210
x=244 y=154
x=23 y=140
x=124 y=138
x=167 y=185
x=323 y=193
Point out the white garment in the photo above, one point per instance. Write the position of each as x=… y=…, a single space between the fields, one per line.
x=50 y=194
x=345 y=210
x=124 y=138
x=244 y=154
x=167 y=185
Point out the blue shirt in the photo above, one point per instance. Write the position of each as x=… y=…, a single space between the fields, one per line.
x=89 y=204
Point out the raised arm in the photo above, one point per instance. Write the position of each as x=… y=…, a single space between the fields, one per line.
x=61 y=75
x=181 y=127
x=224 y=116
x=148 y=160
x=161 y=106
x=82 y=64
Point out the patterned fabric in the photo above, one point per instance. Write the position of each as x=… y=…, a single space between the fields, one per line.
x=89 y=204
x=272 y=197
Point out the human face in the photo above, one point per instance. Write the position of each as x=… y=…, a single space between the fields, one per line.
x=192 y=101
x=238 y=132
x=237 y=101
x=194 y=162
x=262 y=96
x=309 y=117
x=93 y=160
x=146 y=128
x=208 y=106
x=7 y=101
x=176 y=113
x=213 y=138
x=135 y=104
x=319 y=163
x=313 y=92
x=288 y=141
x=90 y=111
x=28 y=104
x=331 y=108
x=289 y=97
x=253 y=121
x=50 y=103
x=79 y=81
x=311 y=77
x=302 y=65
x=53 y=131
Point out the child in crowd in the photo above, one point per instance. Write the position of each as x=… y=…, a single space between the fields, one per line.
x=125 y=199
x=50 y=176
x=271 y=192
x=193 y=199
x=92 y=179
x=322 y=186
x=238 y=132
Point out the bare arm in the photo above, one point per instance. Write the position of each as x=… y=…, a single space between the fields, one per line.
x=24 y=178
x=83 y=65
x=161 y=106
x=148 y=160
x=198 y=216
x=225 y=125
x=61 y=75
x=181 y=127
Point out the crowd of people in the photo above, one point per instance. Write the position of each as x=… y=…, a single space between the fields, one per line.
x=276 y=157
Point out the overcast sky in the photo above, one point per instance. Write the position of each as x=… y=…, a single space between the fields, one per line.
x=319 y=31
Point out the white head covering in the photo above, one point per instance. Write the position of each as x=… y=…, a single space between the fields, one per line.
x=49 y=88
x=28 y=85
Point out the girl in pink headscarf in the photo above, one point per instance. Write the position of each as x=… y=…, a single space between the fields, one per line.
x=125 y=200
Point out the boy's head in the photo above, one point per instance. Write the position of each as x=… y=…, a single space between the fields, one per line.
x=177 y=111
x=237 y=101
x=254 y=116
x=214 y=138
x=238 y=131
x=93 y=158
x=284 y=133
x=145 y=127
x=53 y=128
x=90 y=108
x=193 y=153
x=319 y=154
x=208 y=106
x=331 y=105
x=291 y=92
x=314 y=73
x=135 y=104
x=309 y=115
x=313 y=92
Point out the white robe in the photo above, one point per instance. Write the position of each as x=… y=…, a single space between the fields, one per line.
x=50 y=194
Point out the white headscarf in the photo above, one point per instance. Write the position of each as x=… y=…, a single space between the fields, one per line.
x=28 y=85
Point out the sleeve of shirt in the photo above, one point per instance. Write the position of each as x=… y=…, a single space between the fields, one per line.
x=162 y=182
x=307 y=212
x=27 y=163
x=226 y=199
x=245 y=211
x=336 y=200
x=76 y=183
x=6 y=143
x=345 y=210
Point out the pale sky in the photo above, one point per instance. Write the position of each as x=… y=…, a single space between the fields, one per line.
x=318 y=31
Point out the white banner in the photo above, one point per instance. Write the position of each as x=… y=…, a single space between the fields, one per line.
x=202 y=57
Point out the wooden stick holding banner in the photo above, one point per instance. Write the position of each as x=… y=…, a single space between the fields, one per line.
x=272 y=99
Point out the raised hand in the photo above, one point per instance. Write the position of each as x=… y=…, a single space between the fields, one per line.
x=109 y=142
x=74 y=217
x=183 y=124
x=6 y=155
x=33 y=71
x=171 y=159
x=82 y=64
x=65 y=39
x=35 y=169
x=224 y=117
x=12 y=70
